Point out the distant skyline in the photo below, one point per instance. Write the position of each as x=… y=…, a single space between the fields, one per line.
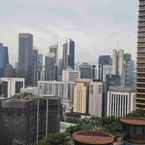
x=95 y=25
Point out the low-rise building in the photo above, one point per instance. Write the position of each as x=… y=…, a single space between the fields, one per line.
x=120 y=101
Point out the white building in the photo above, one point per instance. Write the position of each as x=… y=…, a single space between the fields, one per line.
x=120 y=101
x=64 y=90
x=31 y=90
x=70 y=75
x=11 y=86
x=96 y=98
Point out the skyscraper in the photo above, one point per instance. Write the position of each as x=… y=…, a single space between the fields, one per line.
x=25 y=56
x=105 y=66
x=140 y=86
x=4 y=58
x=86 y=71
x=54 y=49
x=35 y=67
x=50 y=67
x=69 y=54
x=71 y=59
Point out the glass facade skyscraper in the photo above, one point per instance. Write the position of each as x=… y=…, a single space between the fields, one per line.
x=25 y=56
x=4 y=59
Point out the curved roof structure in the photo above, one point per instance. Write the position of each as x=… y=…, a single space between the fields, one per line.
x=93 y=138
x=133 y=121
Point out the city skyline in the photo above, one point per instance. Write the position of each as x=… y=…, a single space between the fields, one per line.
x=95 y=26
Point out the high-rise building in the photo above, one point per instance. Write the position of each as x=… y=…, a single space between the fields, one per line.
x=26 y=120
x=122 y=65
x=140 y=84
x=60 y=69
x=96 y=98
x=40 y=65
x=50 y=67
x=70 y=75
x=86 y=71
x=9 y=71
x=11 y=86
x=62 y=90
x=25 y=56
x=81 y=97
x=120 y=101
x=115 y=62
x=71 y=59
x=54 y=49
x=105 y=60
x=4 y=58
x=69 y=54
x=34 y=67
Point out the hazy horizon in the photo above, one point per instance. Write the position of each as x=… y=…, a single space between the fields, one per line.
x=94 y=25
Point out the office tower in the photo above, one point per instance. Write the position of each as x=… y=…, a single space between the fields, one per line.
x=26 y=120
x=71 y=59
x=65 y=56
x=129 y=71
x=9 y=71
x=120 y=101
x=96 y=98
x=25 y=56
x=69 y=54
x=62 y=90
x=4 y=58
x=40 y=65
x=10 y=86
x=50 y=67
x=115 y=62
x=54 y=49
x=81 y=97
x=34 y=67
x=105 y=67
x=70 y=75
x=105 y=60
x=140 y=89
x=86 y=71
x=60 y=69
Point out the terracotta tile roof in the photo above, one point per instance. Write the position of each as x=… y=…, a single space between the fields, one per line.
x=132 y=121
x=93 y=138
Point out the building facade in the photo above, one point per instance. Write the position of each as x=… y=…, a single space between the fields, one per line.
x=70 y=75
x=140 y=90
x=4 y=59
x=50 y=67
x=25 y=56
x=81 y=97
x=11 y=86
x=86 y=71
x=69 y=54
x=63 y=90
x=27 y=120
x=96 y=98
x=120 y=101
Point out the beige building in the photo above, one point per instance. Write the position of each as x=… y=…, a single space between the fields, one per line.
x=81 y=96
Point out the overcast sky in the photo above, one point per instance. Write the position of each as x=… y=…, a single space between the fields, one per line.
x=95 y=25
